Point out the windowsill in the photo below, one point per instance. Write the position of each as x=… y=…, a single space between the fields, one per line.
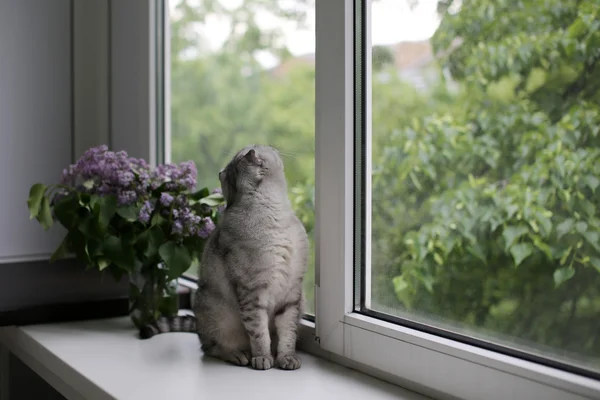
x=103 y=359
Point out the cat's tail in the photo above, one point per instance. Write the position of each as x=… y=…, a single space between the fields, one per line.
x=180 y=323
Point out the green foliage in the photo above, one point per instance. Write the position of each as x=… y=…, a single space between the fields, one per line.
x=109 y=237
x=36 y=194
x=491 y=199
x=176 y=256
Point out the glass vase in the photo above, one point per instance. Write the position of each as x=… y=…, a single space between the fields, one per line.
x=151 y=295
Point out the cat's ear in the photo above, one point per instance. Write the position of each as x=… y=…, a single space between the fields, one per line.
x=252 y=158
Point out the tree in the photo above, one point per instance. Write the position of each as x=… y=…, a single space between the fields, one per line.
x=487 y=205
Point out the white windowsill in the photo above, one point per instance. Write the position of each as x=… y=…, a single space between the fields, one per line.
x=103 y=359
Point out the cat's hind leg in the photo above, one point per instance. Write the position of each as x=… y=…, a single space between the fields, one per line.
x=221 y=331
x=237 y=357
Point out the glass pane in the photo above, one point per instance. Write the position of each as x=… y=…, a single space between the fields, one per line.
x=242 y=72
x=486 y=171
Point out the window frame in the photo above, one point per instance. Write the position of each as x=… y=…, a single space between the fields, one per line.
x=424 y=362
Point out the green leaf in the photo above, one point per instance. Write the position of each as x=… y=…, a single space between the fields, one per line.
x=108 y=208
x=592 y=238
x=401 y=290
x=45 y=214
x=562 y=275
x=595 y=261
x=128 y=213
x=88 y=226
x=545 y=223
x=563 y=255
x=176 y=257
x=577 y=28
x=118 y=252
x=34 y=202
x=156 y=220
x=564 y=227
x=213 y=200
x=581 y=226
x=476 y=250
x=199 y=194
x=588 y=207
x=512 y=233
x=592 y=182
x=66 y=211
x=520 y=252
x=399 y=284
x=154 y=238
x=103 y=263
x=542 y=246
x=61 y=250
x=78 y=245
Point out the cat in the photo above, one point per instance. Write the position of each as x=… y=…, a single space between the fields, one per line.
x=250 y=299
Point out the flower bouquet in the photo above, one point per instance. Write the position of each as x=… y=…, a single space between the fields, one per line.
x=127 y=217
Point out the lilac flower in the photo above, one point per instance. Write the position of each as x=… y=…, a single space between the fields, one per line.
x=177 y=228
x=145 y=212
x=124 y=178
x=126 y=197
x=217 y=190
x=110 y=173
x=166 y=199
x=207 y=227
x=132 y=181
x=182 y=177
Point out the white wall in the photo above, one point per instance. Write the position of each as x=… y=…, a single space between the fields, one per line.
x=91 y=74
x=36 y=137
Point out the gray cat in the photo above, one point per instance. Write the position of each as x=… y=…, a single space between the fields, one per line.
x=250 y=300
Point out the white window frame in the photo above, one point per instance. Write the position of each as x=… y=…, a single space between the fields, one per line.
x=424 y=362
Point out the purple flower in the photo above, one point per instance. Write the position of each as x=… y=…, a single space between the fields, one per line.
x=207 y=227
x=132 y=181
x=217 y=190
x=124 y=178
x=166 y=199
x=111 y=174
x=145 y=212
x=126 y=197
x=177 y=228
x=175 y=177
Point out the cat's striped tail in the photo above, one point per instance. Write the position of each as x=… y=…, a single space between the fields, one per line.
x=180 y=323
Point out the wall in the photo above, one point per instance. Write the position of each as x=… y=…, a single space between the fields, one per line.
x=35 y=117
x=73 y=74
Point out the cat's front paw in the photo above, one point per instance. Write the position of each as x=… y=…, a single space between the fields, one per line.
x=262 y=362
x=288 y=361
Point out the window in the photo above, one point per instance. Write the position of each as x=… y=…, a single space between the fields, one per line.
x=457 y=164
x=451 y=180
x=242 y=72
x=483 y=194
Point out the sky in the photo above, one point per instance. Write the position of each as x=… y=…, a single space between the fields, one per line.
x=392 y=21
